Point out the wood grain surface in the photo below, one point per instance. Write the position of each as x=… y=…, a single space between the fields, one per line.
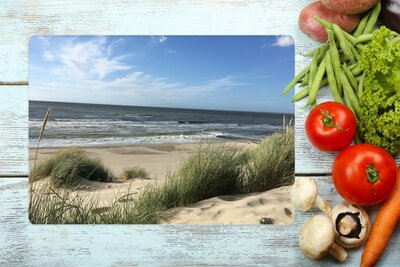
x=24 y=244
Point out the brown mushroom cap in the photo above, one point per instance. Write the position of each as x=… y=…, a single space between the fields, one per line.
x=352 y=225
x=317 y=237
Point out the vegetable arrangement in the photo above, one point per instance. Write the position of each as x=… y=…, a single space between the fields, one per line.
x=361 y=65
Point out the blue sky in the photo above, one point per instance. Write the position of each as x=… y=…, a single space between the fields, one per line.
x=207 y=72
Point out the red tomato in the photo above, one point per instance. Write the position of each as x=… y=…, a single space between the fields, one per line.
x=331 y=126
x=364 y=174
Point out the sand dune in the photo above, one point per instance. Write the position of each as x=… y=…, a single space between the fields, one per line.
x=270 y=207
x=157 y=159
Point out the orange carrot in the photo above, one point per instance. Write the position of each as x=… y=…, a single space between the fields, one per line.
x=384 y=225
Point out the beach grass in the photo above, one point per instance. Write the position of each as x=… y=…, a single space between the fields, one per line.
x=68 y=166
x=134 y=172
x=271 y=164
x=213 y=169
x=49 y=205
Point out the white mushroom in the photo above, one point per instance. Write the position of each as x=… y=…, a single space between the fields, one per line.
x=317 y=238
x=352 y=225
x=304 y=195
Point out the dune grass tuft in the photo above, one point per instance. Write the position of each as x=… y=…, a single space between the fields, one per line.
x=271 y=164
x=134 y=172
x=69 y=166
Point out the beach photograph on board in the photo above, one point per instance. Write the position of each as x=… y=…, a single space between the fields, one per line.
x=160 y=130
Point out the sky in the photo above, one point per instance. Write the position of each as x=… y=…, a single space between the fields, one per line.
x=245 y=73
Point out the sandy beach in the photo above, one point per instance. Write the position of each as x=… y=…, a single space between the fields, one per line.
x=273 y=207
x=158 y=159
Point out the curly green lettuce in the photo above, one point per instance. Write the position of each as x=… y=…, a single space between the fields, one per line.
x=380 y=103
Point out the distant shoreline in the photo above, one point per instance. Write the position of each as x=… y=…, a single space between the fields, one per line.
x=155 y=145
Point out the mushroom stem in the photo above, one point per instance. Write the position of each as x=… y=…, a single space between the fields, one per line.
x=338 y=252
x=323 y=205
x=347 y=224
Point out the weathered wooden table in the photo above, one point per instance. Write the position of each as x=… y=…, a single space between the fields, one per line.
x=23 y=244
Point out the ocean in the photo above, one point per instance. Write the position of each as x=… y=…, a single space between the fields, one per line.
x=73 y=124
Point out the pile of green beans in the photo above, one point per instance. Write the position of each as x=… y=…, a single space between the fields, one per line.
x=335 y=63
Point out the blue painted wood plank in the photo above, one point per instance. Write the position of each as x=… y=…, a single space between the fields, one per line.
x=24 y=244
x=13 y=130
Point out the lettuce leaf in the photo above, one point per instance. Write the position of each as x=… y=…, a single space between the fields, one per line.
x=380 y=103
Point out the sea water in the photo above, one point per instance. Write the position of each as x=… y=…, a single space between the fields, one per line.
x=73 y=124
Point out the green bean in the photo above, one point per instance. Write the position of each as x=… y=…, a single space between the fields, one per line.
x=304 y=92
x=360 y=47
x=342 y=43
x=294 y=81
x=354 y=51
x=373 y=18
x=313 y=69
x=326 y=24
x=323 y=51
x=348 y=102
x=331 y=79
x=349 y=37
x=315 y=85
x=361 y=25
x=353 y=66
x=300 y=94
x=350 y=77
x=349 y=94
x=356 y=71
x=361 y=86
x=312 y=52
x=304 y=82
x=363 y=38
x=358 y=78
x=334 y=53
x=313 y=104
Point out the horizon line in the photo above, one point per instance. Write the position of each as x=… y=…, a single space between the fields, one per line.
x=250 y=111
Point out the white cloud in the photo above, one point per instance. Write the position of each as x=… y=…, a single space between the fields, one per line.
x=91 y=59
x=136 y=88
x=284 y=41
x=48 y=56
x=162 y=39
x=80 y=67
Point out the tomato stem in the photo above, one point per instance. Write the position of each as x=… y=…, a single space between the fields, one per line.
x=328 y=120
x=372 y=173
